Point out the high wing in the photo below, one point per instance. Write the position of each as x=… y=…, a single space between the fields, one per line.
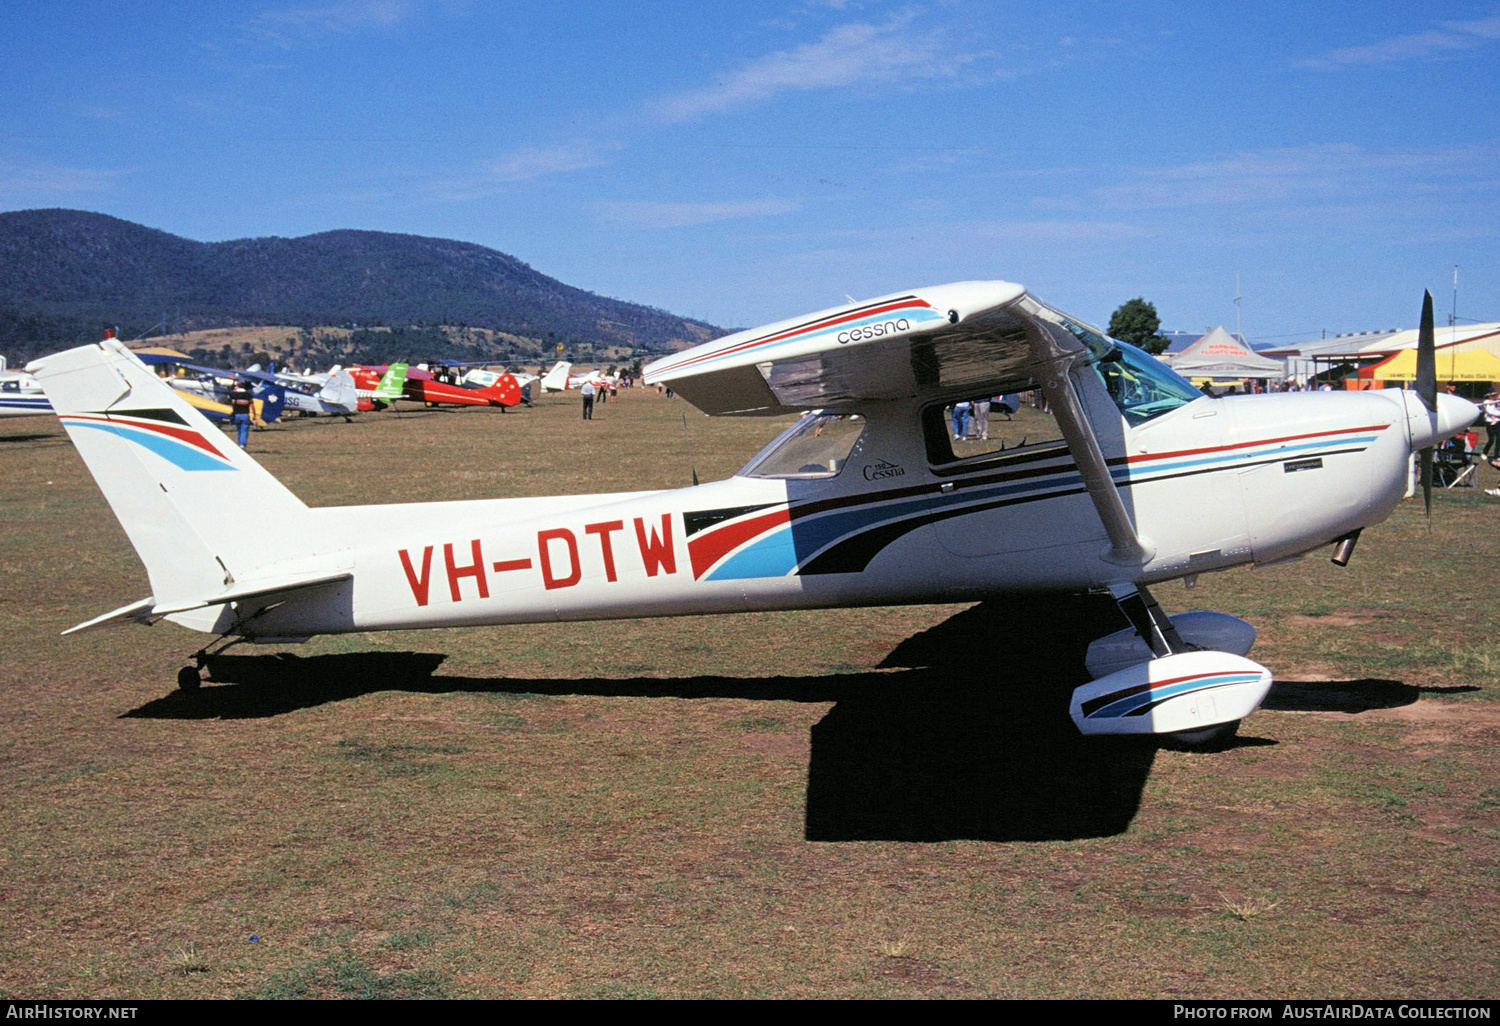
x=945 y=342
x=963 y=339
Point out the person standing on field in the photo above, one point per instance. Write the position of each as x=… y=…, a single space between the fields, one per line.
x=982 y=419
x=1491 y=410
x=588 y=400
x=241 y=400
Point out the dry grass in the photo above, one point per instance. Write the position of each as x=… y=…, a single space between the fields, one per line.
x=743 y=806
x=1246 y=909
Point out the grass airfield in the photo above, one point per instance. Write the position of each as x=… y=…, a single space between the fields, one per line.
x=845 y=803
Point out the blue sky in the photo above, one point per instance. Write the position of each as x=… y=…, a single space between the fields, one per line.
x=747 y=162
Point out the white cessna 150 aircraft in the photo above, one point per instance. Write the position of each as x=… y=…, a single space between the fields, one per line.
x=867 y=500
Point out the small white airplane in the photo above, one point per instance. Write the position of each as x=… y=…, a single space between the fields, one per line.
x=20 y=395
x=556 y=379
x=561 y=378
x=479 y=377
x=866 y=500
x=333 y=393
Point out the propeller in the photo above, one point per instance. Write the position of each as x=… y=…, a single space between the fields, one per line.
x=1427 y=392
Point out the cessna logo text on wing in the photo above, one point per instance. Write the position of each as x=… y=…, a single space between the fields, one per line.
x=881 y=469
x=874 y=330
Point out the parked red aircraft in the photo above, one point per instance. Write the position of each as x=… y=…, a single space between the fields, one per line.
x=423 y=388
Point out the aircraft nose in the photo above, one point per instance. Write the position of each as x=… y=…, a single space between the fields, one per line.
x=1430 y=427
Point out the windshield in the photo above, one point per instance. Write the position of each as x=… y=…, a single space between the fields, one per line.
x=1141 y=385
x=818 y=445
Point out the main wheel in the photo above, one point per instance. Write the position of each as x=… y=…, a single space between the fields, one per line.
x=188 y=679
x=1206 y=738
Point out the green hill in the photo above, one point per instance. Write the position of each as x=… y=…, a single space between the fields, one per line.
x=65 y=274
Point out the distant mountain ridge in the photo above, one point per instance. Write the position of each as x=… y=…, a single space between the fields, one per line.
x=66 y=273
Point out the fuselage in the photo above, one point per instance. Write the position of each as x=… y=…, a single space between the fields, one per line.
x=420 y=387
x=1210 y=485
x=21 y=396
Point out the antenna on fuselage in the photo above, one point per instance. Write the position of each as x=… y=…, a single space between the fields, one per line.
x=691 y=462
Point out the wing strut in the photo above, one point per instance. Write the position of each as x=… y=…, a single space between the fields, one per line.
x=1056 y=364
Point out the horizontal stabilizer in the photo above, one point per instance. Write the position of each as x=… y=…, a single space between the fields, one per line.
x=265 y=588
x=136 y=612
x=146 y=611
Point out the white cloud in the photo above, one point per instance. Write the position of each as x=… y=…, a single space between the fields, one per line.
x=26 y=183
x=1294 y=174
x=540 y=161
x=1449 y=38
x=523 y=165
x=289 y=26
x=1058 y=231
x=651 y=214
x=95 y=111
x=845 y=56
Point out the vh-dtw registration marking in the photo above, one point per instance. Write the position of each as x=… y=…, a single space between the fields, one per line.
x=557 y=558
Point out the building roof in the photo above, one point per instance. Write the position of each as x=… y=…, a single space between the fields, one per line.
x=1366 y=344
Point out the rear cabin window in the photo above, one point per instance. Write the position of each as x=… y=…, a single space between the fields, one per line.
x=1009 y=423
x=818 y=445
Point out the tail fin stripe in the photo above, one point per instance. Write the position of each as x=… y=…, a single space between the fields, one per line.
x=191 y=453
x=184 y=433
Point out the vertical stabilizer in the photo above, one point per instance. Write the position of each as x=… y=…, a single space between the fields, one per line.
x=340 y=391
x=199 y=511
x=393 y=384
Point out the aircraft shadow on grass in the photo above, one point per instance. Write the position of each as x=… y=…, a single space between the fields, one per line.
x=966 y=736
x=35 y=437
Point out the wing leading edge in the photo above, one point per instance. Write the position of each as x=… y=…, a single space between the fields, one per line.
x=943 y=340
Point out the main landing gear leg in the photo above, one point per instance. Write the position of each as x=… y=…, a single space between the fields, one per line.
x=1153 y=625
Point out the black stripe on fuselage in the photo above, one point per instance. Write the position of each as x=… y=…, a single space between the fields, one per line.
x=698 y=520
x=853 y=554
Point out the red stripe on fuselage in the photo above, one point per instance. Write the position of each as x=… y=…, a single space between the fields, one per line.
x=1250 y=445
x=708 y=548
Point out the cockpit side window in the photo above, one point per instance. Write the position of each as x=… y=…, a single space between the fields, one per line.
x=817 y=446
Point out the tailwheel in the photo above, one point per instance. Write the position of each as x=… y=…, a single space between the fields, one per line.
x=189 y=679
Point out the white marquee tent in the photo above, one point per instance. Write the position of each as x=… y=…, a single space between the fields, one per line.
x=1220 y=355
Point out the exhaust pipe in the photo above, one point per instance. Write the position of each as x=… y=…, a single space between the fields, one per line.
x=1344 y=548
